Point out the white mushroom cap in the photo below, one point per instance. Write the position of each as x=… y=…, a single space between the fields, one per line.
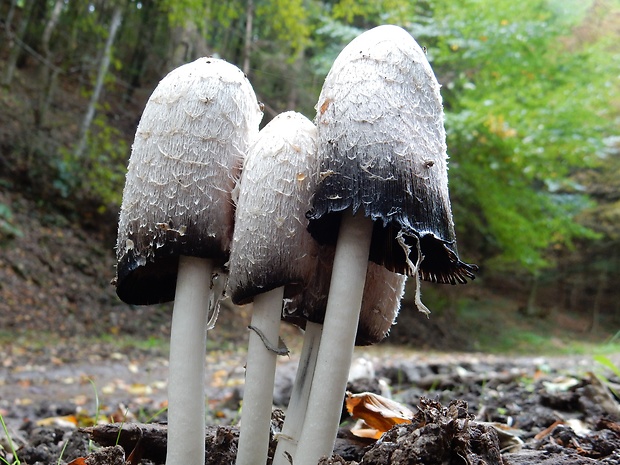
x=271 y=245
x=382 y=149
x=186 y=156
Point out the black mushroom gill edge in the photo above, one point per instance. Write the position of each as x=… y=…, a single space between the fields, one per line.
x=440 y=262
x=152 y=280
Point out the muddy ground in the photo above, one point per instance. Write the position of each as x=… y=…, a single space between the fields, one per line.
x=468 y=408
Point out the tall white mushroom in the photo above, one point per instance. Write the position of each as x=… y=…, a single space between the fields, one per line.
x=383 y=194
x=176 y=221
x=272 y=255
x=383 y=291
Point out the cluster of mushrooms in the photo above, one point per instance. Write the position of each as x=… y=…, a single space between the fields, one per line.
x=317 y=224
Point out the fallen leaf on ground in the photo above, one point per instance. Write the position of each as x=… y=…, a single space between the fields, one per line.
x=378 y=413
x=78 y=461
x=67 y=420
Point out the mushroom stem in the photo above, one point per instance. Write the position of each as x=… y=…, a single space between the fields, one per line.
x=188 y=345
x=259 y=378
x=337 y=341
x=298 y=403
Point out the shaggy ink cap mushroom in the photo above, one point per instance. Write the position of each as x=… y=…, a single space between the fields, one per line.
x=271 y=246
x=186 y=155
x=383 y=292
x=382 y=194
x=271 y=253
x=382 y=150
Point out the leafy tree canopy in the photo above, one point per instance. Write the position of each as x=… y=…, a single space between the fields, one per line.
x=527 y=107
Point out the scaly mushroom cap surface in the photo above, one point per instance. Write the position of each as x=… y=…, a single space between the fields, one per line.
x=383 y=292
x=271 y=245
x=382 y=149
x=186 y=156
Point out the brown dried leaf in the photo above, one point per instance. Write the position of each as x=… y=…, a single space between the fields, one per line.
x=78 y=461
x=67 y=420
x=378 y=412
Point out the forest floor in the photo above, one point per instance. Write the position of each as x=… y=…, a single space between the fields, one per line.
x=73 y=398
x=74 y=359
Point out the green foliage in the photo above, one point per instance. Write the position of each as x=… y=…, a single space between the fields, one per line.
x=181 y=12
x=8 y=230
x=607 y=363
x=330 y=38
x=372 y=12
x=62 y=453
x=288 y=23
x=494 y=326
x=16 y=460
x=100 y=173
x=529 y=88
x=526 y=109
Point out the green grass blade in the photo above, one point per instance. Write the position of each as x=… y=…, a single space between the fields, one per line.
x=11 y=445
x=607 y=363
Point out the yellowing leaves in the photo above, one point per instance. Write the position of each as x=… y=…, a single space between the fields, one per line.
x=292 y=25
x=497 y=125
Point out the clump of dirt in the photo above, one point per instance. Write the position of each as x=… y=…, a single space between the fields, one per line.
x=437 y=435
x=47 y=444
x=147 y=443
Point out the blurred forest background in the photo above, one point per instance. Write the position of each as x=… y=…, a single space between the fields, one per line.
x=530 y=91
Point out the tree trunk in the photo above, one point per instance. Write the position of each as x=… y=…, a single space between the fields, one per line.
x=293 y=94
x=247 y=44
x=530 y=308
x=47 y=72
x=149 y=24
x=34 y=31
x=596 y=304
x=117 y=17
x=576 y=290
x=9 y=19
x=14 y=41
x=188 y=45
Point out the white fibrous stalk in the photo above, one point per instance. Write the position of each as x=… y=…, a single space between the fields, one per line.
x=383 y=292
